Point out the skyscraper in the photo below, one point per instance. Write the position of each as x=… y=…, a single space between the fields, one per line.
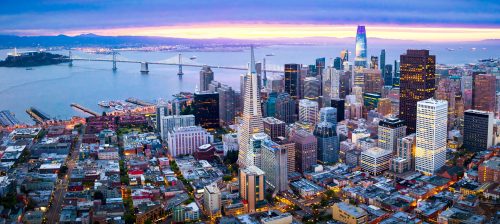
x=275 y=166
x=405 y=154
x=328 y=114
x=306 y=147
x=382 y=62
x=274 y=127
x=483 y=92
x=417 y=83
x=255 y=149
x=227 y=104
x=252 y=186
x=397 y=74
x=478 y=130
x=206 y=76
x=389 y=131
x=311 y=88
x=430 y=154
x=328 y=142
x=285 y=108
x=308 y=111
x=361 y=48
x=206 y=109
x=374 y=62
x=252 y=114
x=339 y=104
x=337 y=63
x=212 y=200
x=387 y=73
x=292 y=80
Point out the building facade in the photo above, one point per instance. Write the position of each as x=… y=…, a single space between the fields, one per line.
x=478 y=130
x=186 y=140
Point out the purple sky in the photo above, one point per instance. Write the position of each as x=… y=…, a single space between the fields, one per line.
x=62 y=15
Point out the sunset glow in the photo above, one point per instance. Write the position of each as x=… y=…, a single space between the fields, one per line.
x=270 y=31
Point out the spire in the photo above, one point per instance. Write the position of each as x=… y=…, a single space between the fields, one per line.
x=252 y=61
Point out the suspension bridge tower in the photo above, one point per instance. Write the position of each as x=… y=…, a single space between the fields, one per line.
x=180 y=65
x=70 y=59
x=114 y=60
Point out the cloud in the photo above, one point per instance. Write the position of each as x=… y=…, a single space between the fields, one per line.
x=69 y=15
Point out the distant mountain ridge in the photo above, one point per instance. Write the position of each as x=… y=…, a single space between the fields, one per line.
x=93 y=40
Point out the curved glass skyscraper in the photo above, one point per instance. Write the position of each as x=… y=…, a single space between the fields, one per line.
x=360 y=60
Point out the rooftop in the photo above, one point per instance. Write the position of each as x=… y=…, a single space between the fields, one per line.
x=352 y=210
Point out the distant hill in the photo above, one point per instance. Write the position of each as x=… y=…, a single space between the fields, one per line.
x=92 y=40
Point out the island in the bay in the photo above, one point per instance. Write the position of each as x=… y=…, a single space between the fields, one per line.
x=33 y=58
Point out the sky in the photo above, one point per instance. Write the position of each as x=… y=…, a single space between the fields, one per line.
x=427 y=20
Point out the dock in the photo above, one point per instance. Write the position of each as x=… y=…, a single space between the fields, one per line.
x=84 y=109
x=37 y=115
x=139 y=102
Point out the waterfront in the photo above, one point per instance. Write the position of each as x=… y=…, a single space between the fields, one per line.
x=53 y=88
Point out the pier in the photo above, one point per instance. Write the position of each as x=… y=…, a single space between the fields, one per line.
x=84 y=109
x=37 y=115
x=138 y=102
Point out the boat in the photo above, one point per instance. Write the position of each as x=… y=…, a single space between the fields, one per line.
x=104 y=104
x=29 y=68
x=193 y=57
x=119 y=107
x=450 y=49
x=269 y=55
x=473 y=49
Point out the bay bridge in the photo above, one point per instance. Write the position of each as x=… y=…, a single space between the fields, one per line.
x=114 y=57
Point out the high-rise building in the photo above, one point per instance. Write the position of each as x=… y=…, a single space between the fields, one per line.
x=375 y=160
x=478 y=130
x=417 y=83
x=337 y=63
x=332 y=87
x=387 y=73
x=374 y=62
x=276 y=84
x=255 y=149
x=430 y=154
x=161 y=111
x=311 y=88
x=308 y=111
x=361 y=48
x=292 y=80
x=339 y=104
x=212 y=200
x=252 y=186
x=186 y=140
x=372 y=81
x=168 y=123
x=270 y=105
x=484 y=92
x=328 y=114
x=206 y=109
x=328 y=142
x=370 y=102
x=344 y=55
x=289 y=146
x=306 y=147
x=285 y=108
x=382 y=62
x=389 y=131
x=320 y=68
x=206 y=77
x=252 y=114
x=344 y=84
x=274 y=165
x=405 y=154
x=227 y=104
x=397 y=74
x=274 y=127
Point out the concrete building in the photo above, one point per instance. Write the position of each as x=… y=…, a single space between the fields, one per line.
x=252 y=187
x=489 y=170
x=308 y=111
x=405 y=154
x=311 y=88
x=212 y=200
x=430 y=154
x=274 y=164
x=349 y=214
x=389 y=131
x=186 y=140
x=274 y=127
x=483 y=92
x=375 y=160
x=168 y=123
x=206 y=77
x=328 y=114
x=206 y=109
x=255 y=149
x=285 y=108
x=306 y=147
x=290 y=147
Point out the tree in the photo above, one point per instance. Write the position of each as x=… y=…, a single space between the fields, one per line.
x=227 y=178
